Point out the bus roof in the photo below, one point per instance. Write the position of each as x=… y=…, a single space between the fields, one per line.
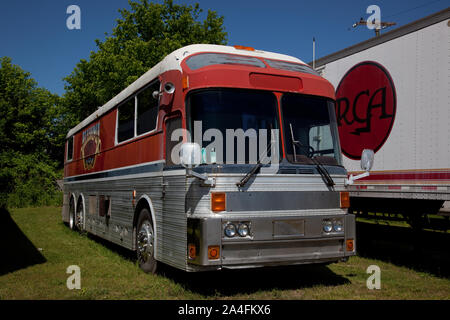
x=173 y=62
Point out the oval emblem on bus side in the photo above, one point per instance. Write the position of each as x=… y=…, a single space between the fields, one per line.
x=365 y=108
x=90 y=147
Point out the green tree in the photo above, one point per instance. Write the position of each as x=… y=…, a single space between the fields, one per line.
x=142 y=37
x=30 y=118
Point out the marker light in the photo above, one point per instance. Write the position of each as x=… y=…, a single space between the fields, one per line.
x=185 y=82
x=350 y=245
x=192 y=251
x=218 y=201
x=244 y=48
x=213 y=252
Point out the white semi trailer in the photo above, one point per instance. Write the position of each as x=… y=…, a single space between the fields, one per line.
x=393 y=94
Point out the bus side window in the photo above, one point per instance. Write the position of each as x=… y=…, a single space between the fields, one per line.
x=147 y=109
x=171 y=125
x=125 y=129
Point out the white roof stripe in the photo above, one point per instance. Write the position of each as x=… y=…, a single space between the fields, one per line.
x=172 y=62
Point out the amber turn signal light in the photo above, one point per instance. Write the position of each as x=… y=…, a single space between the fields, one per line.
x=213 y=252
x=345 y=200
x=218 y=201
x=350 y=245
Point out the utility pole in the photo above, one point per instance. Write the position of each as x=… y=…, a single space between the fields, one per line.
x=378 y=25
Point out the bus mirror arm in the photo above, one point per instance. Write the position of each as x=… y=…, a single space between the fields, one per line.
x=166 y=99
x=190 y=157
x=205 y=180
x=352 y=178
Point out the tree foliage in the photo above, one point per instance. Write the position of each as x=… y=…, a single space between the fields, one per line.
x=34 y=122
x=143 y=36
x=29 y=122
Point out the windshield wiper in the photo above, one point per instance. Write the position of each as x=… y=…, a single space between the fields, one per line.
x=247 y=177
x=320 y=168
x=323 y=172
x=255 y=168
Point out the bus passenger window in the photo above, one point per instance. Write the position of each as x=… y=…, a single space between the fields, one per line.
x=125 y=128
x=147 y=109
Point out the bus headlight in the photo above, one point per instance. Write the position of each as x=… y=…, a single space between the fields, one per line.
x=327 y=226
x=243 y=229
x=230 y=230
x=338 y=225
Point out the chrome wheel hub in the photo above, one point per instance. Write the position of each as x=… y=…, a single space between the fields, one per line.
x=79 y=220
x=145 y=242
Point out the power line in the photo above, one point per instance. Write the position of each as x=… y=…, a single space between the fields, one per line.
x=405 y=11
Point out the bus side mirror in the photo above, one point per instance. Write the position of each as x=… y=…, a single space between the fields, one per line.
x=190 y=155
x=367 y=158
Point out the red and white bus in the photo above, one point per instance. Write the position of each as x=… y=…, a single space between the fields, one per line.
x=124 y=179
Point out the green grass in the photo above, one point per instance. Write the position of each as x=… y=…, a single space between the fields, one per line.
x=109 y=272
x=378 y=218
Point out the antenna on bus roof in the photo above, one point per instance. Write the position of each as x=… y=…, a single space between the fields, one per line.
x=314 y=54
x=379 y=25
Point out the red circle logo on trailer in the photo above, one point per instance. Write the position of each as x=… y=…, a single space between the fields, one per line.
x=365 y=108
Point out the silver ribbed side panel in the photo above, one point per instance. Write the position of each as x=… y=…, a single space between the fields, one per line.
x=172 y=233
x=119 y=227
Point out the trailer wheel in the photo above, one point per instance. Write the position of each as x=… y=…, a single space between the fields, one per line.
x=145 y=242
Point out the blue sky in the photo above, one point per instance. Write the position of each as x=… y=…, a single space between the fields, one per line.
x=34 y=33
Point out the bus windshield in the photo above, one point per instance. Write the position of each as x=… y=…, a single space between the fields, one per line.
x=310 y=129
x=241 y=118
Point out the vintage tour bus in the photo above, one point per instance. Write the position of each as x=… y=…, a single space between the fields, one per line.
x=217 y=157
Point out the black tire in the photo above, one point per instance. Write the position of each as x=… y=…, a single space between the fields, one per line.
x=416 y=221
x=145 y=245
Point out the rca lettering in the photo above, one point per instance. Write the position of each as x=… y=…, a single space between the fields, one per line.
x=343 y=106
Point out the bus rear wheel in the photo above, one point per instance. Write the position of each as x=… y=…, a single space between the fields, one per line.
x=145 y=242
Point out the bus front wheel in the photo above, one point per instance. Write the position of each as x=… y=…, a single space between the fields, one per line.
x=145 y=242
